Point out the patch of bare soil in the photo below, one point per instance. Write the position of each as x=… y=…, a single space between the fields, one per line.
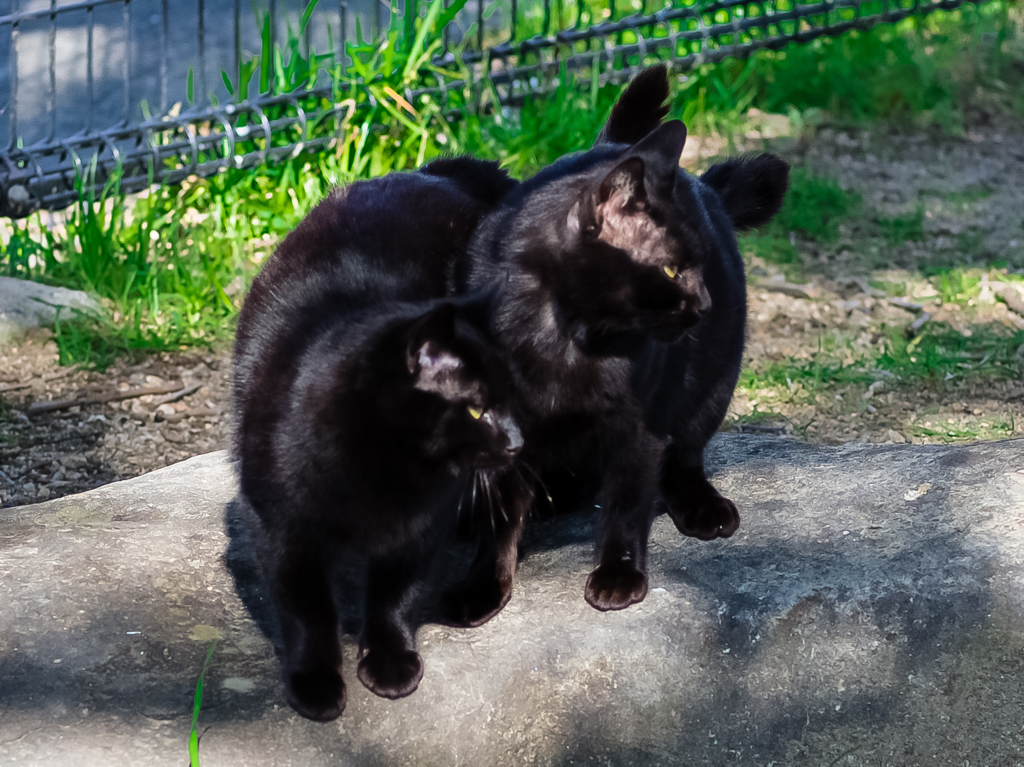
x=968 y=194
x=117 y=431
x=784 y=327
x=970 y=188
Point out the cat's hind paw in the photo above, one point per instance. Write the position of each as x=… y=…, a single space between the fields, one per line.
x=713 y=517
x=318 y=695
x=472 y=603
x=391 y=674
x=616 y=586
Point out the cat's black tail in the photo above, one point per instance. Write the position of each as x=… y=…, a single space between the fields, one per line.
x=639 y=110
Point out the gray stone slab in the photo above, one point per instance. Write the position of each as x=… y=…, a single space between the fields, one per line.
x=27 y=304
x=869 y=611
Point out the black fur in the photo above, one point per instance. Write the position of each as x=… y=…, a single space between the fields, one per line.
x=639 y=110
x=623 y=310
x=483 y=181
x=751 y=188
x=365 y=408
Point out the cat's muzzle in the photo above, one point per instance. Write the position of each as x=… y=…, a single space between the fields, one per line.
x=506 y=443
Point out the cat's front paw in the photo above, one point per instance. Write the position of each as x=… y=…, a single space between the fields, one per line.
x=472 y=603
x=391 y=674
x=713 y=517
x=318 y=695
x=616 y=586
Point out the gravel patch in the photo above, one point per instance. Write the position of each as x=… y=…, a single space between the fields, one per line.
x=50 y=454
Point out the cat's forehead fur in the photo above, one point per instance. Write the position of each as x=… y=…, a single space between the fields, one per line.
x=638 y=234
x=665 y=228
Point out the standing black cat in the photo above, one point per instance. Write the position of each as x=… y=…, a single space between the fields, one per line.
x=623 y=310
x=365 y=406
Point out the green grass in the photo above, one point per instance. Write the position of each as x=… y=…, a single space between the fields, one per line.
x=939 y=356
x=546 y=128
x=900 y=229
x=814 y=209
x=918 y=72
x=197 y=703
x=172 y=266
x=994 y=427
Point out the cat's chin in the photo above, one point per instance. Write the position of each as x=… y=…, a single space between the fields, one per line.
x=491 y=465
x=673 y=335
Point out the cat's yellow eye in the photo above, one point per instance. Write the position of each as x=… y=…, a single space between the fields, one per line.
x=476 y=412
x=671 y=271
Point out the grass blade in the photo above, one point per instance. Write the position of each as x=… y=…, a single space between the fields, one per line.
x=436 y=6
x=197 y=702
x=305 y=16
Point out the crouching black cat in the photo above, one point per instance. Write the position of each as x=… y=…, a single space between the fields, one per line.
x=365 y=408
x=623 y=310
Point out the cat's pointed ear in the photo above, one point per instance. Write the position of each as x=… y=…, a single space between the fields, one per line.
x=661 y=149
x=752 y=189
x=624 y=185
x=639 y=110
x=426 y=353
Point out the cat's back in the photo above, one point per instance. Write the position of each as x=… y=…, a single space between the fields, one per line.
x=367 y=244
x=386 y=239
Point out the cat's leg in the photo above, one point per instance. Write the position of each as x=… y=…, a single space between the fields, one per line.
x=696 y=508
x=389 y=665
x=488 y=587
x=627 y=509
x=309 y=628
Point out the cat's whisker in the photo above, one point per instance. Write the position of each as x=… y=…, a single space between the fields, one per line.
x=526 y=484
x=486 y=482
x=531 y=489
x=536 y=476
x=501 y=506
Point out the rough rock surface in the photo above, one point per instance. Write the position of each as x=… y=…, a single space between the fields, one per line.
x=27 y=304
x=869 y=611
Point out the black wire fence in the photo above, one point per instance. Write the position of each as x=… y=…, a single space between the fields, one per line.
x=155 y=90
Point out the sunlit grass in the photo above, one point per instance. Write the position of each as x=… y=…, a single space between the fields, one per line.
x=844 y=365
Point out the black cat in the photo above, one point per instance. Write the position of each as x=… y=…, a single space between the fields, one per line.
x=365 y=409
x=622 y=309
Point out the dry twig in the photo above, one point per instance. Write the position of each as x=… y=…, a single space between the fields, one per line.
x=46 y=407
x=919 y=323
x=176 y=395
x=199 y=412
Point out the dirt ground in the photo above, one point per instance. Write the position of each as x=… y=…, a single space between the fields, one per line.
x=972 y=190
x=51 y=454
